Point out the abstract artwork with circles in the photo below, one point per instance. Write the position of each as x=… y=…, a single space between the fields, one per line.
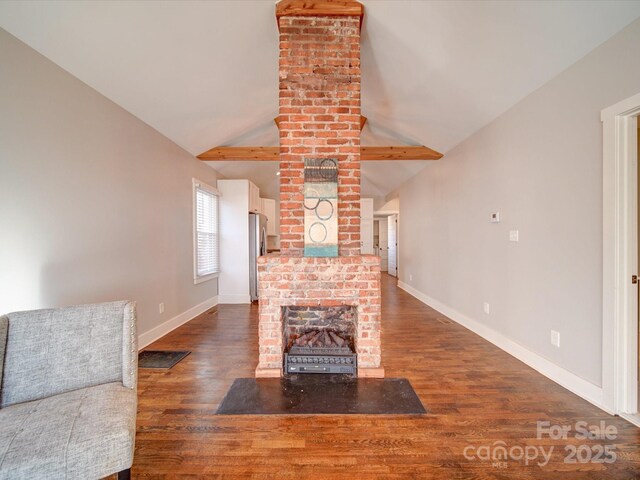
x=320 y=207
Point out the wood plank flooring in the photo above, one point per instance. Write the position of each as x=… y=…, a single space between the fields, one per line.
x=476 y=395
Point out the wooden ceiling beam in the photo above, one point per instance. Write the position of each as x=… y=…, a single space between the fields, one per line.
x=366 y=153
x=363 y=120
x=242 y=153
x=399 y=153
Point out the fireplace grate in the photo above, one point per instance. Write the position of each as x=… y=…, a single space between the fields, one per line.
x=320 y=350
x=295 y=350
x=345 y=364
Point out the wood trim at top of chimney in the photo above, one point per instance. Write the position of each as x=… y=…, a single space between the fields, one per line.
x=319 y=8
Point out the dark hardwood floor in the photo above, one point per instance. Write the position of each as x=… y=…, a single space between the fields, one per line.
x=476 y=395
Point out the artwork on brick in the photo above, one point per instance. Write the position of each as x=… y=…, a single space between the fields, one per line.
x=320 y=207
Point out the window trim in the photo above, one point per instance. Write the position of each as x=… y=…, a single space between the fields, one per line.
x=198 y=184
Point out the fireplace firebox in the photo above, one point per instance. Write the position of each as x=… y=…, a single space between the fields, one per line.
x=319 y=339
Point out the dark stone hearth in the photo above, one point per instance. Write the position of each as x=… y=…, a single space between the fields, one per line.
x=321 y=394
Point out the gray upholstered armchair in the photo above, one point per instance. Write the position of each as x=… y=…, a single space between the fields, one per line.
x=68 y=392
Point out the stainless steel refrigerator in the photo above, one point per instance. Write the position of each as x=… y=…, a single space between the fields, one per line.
x=257 y=248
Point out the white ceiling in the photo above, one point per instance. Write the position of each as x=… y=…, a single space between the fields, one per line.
x=206 y=73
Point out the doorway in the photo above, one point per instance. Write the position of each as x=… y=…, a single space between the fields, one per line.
x=386 y=236
x=385 y=240
x=621 y=257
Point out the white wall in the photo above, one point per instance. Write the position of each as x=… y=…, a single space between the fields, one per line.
x=540 y=166
x=94 y=204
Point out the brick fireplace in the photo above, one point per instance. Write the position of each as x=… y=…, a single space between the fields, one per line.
x=319 y=117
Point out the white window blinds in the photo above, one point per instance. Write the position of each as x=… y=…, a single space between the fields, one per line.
x=206 y=230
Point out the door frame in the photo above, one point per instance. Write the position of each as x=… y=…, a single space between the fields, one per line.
x=620 y=249
x=397 y=249
x=397 y=245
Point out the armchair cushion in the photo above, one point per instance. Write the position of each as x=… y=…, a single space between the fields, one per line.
x=87 y=433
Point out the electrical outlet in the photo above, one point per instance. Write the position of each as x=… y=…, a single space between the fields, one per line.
x=161 y=307
x=514 y=236
x=486 y=308
x=410 y=278
x=555 y=338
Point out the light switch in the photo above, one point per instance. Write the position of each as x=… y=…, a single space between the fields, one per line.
x=495 y=217
x=513 y=235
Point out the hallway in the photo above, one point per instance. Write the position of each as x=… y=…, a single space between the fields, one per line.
x=475 y=394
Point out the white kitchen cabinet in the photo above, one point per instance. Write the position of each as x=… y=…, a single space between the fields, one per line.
x=269 y=210
x=366 y=226
x=254 y=197
x=366 y=237
x=247 y=193
x=366 y=208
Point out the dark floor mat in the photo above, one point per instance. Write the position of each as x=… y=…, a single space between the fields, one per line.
x=160 y=358
x=320 y=394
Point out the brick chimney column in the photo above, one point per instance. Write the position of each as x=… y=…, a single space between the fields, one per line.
x=319 y=118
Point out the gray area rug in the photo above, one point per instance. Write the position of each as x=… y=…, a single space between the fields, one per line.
x=160 y=358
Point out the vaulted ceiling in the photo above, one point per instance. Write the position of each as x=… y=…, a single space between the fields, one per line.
x=206 y=73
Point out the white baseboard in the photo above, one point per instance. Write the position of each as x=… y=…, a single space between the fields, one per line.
x=581 y=387
x=233 y=298
x=147 y=338
x=632 y=418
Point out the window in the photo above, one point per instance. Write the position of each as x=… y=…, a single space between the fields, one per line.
x=206 y=263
